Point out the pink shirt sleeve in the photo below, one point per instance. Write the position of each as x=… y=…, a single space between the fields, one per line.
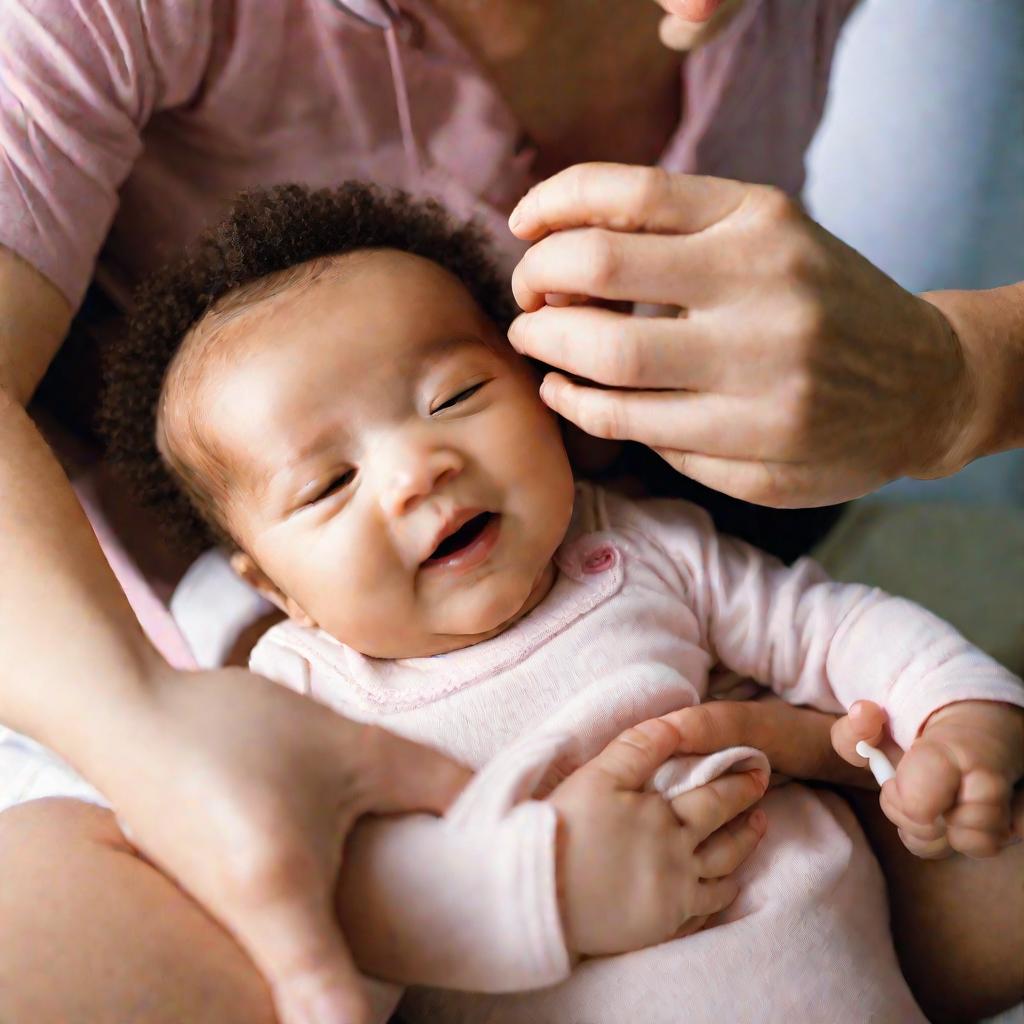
x=818 y=642
x=78 y=81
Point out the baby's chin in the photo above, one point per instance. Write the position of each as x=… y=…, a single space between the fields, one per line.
x=487 y=611
x=462 y=619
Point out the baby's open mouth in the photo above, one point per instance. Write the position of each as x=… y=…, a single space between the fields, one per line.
x=461 y=538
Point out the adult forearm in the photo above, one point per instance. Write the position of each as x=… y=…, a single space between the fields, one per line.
x=990 y=327
x=70 y=649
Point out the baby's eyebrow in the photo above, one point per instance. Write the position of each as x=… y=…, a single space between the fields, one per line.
x=442 y=349
x=278 y=483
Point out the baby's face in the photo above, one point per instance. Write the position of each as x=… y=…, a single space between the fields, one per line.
x=390 y=467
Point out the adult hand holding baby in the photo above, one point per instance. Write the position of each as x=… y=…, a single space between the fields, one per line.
x=796 y=373
x=260 y=788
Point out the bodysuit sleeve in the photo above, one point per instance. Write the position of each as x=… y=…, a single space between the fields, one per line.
x=78 y=82
x=818 y=642
x=468 y=901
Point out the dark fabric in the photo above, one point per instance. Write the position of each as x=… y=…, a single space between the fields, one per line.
x=785 y=533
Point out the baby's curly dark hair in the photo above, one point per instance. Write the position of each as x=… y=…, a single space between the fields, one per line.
x=265 y=231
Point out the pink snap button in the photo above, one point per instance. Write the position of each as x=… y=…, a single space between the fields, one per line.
x=599 y=559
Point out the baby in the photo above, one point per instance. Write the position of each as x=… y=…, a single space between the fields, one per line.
x=322 y=385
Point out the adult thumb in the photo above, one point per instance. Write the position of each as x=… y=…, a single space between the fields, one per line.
x=632 y=758
x=299 y=949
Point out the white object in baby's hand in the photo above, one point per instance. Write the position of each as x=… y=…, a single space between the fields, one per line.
x=881 y=767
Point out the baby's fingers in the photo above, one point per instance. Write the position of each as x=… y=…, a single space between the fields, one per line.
x=712 y=895
x=729 y=847
x=980 y=825
x=706 y=809
x=929 y=842
x=927 y=782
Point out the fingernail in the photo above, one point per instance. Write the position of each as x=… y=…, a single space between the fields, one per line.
x=515 y=219
x=759 y=820
x=761 y=777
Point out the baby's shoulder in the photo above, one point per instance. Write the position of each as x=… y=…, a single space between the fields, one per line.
x=288 y=653
x=670 y=524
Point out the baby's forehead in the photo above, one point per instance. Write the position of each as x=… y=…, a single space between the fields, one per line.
x=323 y=347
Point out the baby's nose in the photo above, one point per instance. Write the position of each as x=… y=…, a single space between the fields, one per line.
x=416 y=476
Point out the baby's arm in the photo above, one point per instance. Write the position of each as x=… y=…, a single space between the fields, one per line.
x=814 y=641
x=502 y=898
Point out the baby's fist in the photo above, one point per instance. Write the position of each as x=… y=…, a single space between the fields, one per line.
x=953 y=788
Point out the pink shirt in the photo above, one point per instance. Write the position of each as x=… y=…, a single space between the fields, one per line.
x=648 y=599
x=126 y=125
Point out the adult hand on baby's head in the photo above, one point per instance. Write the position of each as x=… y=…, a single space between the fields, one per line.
x=635 y=871
x=258 y=788
x=799 y=374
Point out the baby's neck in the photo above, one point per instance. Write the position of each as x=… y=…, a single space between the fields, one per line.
x=453 y=642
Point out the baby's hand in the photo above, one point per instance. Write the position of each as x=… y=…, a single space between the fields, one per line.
x=634 y=870
x=953 y=789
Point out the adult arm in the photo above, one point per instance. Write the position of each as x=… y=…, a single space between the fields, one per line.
x=824 y=644
x=797 y=374
x=239 y=790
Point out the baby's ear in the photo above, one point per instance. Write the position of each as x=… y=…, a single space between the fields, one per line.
x=248 y=571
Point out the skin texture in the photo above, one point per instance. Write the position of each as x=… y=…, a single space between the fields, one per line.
x=55 y=583
x=352 y=414
x=261 y=862
x=954 y=788
x=445 y=423
x=795 y=374
x=958 y=923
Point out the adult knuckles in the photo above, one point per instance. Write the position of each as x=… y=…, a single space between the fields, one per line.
x=774 y=208
x=650 y=189
x=601 y=416
x=622 y=360
x=601 y=260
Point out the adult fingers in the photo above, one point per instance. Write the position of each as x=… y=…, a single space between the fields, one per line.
x=618 y=349
x=707 y=808
x=764 y=482
x=725 y=850
x=617 y=266
x=625 y=198
x=865 y=721
x=295 y=941
x=712 y=423
x=632 y=758
x=406 y=776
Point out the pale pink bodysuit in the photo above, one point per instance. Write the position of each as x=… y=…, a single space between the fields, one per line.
x=647 y=600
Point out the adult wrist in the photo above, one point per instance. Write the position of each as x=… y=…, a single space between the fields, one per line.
x=116 y=702
x=985 y=411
